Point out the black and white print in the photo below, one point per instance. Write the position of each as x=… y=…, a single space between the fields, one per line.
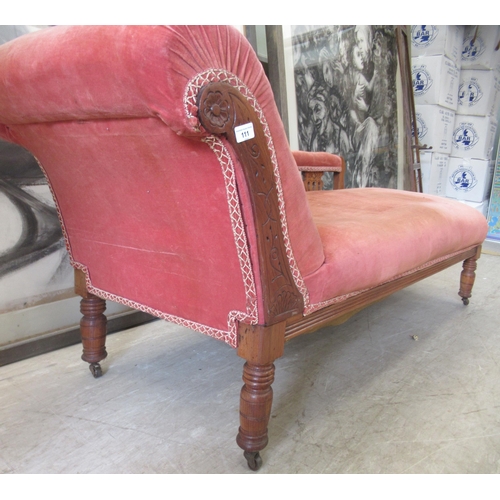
x=34 y=263
x=345 y=81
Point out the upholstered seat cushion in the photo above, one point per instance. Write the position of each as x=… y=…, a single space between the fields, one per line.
x=372 y=235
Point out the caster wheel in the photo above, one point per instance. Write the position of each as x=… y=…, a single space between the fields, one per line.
x=95 y=369
x=254 y=459
x=465 y=301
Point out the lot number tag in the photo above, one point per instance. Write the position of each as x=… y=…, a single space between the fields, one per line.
x=244 y=132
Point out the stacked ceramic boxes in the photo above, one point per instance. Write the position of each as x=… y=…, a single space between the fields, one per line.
x=471 y=166
x=436 y=53
x=464 y=171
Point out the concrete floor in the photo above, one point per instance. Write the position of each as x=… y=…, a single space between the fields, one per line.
x=363 y=397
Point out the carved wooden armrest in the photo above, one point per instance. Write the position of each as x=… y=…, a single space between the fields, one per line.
x=223 y=110
x=314 y=164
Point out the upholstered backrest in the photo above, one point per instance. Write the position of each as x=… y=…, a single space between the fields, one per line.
x=148 y=202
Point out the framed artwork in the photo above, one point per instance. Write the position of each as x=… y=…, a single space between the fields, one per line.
x=345 y=96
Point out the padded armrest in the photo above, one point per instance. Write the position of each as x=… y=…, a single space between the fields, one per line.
x=316 y=161
x=313 y=163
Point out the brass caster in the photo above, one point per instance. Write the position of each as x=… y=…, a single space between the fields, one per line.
x=95 y=369
x=254 y=459
x=465 y=301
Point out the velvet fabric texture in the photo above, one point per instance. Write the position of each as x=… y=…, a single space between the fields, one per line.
x=323 y=161
x=148 y=202
x=373 y=235
x=146 y=207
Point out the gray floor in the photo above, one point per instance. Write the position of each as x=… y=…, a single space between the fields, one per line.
x=364 y=397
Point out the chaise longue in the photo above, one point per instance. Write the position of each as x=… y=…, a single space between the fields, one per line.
x=178 y=195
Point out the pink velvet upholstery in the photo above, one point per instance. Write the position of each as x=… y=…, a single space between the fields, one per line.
x=208 y=231
x=157 y=212
x=371 y=236
x=323 y=162
x=148 y=209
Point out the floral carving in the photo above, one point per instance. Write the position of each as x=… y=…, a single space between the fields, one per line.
x=216 y=109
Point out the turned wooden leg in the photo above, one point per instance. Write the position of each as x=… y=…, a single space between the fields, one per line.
x=93 y=332
x=260 y=346
x=467 y=277
x=92 y=326
x=255 y=409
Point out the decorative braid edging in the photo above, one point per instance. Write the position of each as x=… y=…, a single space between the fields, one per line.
x=240 y=237
x=229 y=338
x=320 y=169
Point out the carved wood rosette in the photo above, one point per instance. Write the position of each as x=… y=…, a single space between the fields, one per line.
x=223 y=110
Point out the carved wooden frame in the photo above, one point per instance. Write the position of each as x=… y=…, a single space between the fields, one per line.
x=222 y=108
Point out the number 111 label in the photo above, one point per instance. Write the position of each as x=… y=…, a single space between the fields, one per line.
x=244 y=132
